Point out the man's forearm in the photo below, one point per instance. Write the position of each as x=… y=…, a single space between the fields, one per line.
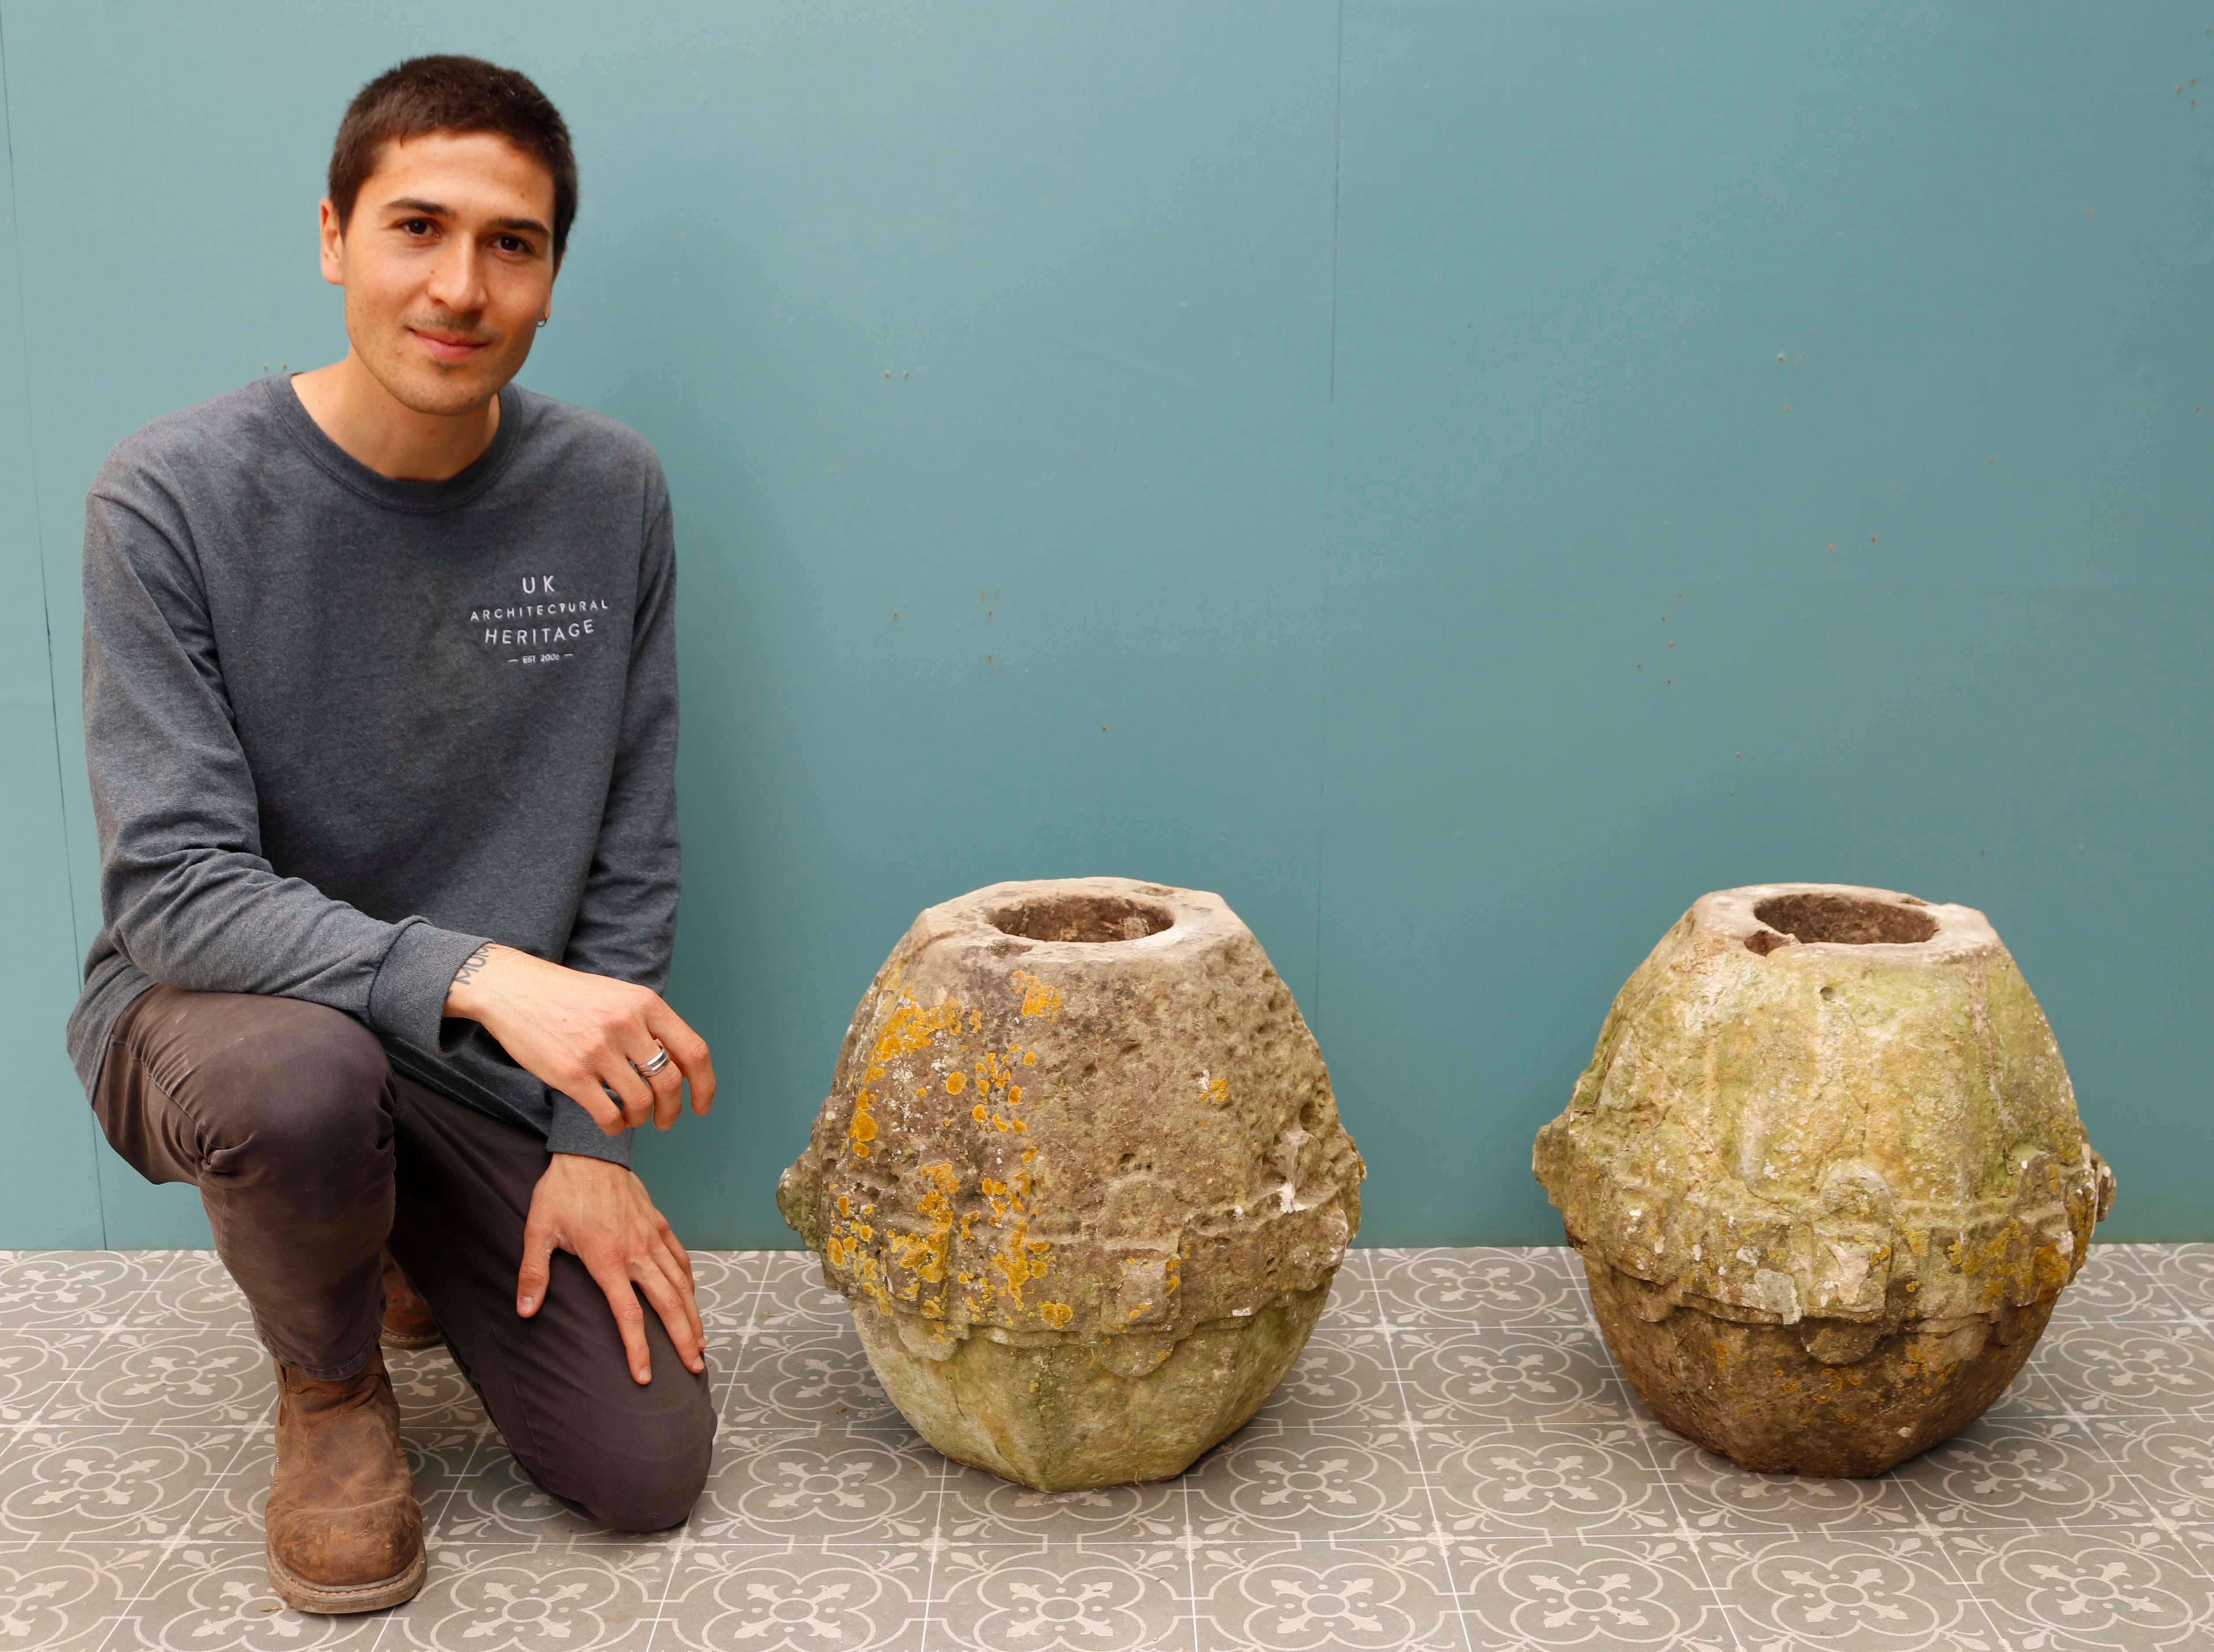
x=222 y=922
x=459 y=996
x=585 y=1035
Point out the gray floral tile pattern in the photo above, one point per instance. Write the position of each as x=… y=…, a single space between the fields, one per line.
x=1349 y=1594
x=80 y=1290
x=1344 y=1379
x=1111 y=1598
x=34 y=1363
x=2148 y=1367
x=979 y=1508
x=1712 y=1494
x=2055 y=1473
x=2127 y=1589
x=2118 y=1282
x=780 y=1599
x=1895 y=1591
x=1461 y=1289
x=1517 y=1374
x=1353 y=1482
x=159 y=1377
x=1500 y=1482
x=1597 y=1593
x=64 y=1594
x=1455 y=1466
x=2186 y=1273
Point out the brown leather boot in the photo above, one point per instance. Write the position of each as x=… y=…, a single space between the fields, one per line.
x=343 y=1529
x=409 y=1321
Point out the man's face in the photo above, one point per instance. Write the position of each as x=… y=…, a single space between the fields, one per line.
x=447 y=263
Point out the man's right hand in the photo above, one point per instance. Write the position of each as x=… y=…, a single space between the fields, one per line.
x=578 y=1032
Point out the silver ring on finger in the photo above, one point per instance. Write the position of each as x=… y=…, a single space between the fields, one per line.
x=659 y=1061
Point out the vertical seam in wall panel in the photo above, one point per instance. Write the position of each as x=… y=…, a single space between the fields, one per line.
x=1329 y=519
x=1336 y=182
x=38 y=548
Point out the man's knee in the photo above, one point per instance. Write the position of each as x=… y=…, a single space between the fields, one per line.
x=643 y=1469
x=297 y=1086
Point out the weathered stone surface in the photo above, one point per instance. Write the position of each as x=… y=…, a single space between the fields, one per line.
x=1826 y=1173
x=1082 y=1178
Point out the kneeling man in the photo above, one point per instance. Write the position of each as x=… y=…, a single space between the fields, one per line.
x=379 y=688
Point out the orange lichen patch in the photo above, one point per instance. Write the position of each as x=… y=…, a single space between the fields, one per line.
x=923 y=1254
x=911 y=1026
x=2048 y=1270
x=1218 y=1092
x=909 y=1029
x=845 y=1248
x=1030 y=1057
x=845 y=1205
x=1993 y=1258
x=956 y=1083
x=1056 y=1314
x=994 y=1075
x=937 y=1201
x=1020 y=1260
x=863 y=1129
x=1038 y=997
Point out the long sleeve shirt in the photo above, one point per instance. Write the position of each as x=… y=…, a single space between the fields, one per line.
x=342 y=730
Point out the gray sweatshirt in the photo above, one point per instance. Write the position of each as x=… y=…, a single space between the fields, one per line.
x=342 y=730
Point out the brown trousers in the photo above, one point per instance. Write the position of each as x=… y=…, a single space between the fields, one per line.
x=312 y=1155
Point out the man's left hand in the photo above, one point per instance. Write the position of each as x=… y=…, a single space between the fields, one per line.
x=598 y=1211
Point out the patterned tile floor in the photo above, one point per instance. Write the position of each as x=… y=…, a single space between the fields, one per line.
x=1454 y=1464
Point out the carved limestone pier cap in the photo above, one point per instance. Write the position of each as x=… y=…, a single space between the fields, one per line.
x=1826 y=1175
x=1082 y=1178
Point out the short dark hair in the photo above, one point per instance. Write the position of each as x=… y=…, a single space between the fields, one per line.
x=451 y=94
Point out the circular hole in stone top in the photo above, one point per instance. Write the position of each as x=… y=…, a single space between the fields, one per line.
x=1082 y=918
x=1848 y=919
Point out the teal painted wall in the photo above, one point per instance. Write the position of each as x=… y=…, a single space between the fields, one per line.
x=1271 y=448
x=49 y=1194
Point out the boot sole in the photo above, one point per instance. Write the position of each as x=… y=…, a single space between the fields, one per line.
x=410 y=1339
x=330 y=1599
